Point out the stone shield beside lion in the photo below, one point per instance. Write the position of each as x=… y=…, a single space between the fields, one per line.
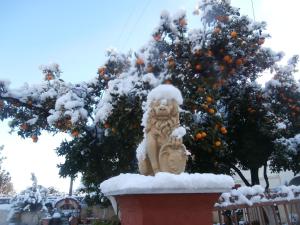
x=162 y=148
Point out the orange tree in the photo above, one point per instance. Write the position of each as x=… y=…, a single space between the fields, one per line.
x=104 y=115
x=284 y=94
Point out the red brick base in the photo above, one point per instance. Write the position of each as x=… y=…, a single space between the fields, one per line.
x=167 y=209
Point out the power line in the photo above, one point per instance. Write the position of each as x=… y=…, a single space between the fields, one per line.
x=126 y=23
x=136 y=23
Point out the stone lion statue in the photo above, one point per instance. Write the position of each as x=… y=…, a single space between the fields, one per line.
x=163 y=150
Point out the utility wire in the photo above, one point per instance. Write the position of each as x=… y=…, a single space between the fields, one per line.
x=136 y=23
x=126 y=23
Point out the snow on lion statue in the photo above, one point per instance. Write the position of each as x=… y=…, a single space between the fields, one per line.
x=162 y=149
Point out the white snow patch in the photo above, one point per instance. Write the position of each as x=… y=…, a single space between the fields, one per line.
x=141 y=150
x=32 y=121
x=281 y=126
x=166 y=183
x=179 y=132
x=256 y=194
x=165 y=91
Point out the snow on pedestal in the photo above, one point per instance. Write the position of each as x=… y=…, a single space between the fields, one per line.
x=166 y=199
x=166 y=183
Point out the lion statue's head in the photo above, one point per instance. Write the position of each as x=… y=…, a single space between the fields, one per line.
x=163 y=115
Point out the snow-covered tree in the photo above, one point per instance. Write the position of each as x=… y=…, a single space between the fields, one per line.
x=208 y=65
x=6 y=186
x=32 y=198
x=284 y=97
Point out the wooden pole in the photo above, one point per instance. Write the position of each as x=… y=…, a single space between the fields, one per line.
x=71 y=187
x=262 y=217
x=235 y=217
x=275 y=215
x=220 y=217
x=297 y=207
x=248 y=215
x=287 y=214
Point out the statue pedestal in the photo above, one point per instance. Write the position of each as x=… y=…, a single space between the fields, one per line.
x=166 y=199
x=167 y=209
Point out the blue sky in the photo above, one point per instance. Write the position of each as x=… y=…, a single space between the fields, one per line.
x=76 y=34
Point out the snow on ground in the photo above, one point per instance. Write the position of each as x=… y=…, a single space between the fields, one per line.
x=166 y=183
x=6 y=207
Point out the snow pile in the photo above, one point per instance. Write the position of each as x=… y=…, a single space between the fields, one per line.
x=179 y=132
x=141 y=150
x=51 y=68
x=166 y=183
x=256 y=194
x=281 y=126
x=69 y=104
x=165 y=91
x=291 y=143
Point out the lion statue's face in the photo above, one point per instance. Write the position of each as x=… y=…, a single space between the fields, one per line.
x=163 y=109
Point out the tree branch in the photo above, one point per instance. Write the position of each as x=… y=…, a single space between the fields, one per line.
x=32 y=107
x=240 y=174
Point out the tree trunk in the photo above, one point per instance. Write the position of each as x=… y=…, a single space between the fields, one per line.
x=254 y=176
x=266 y=177
x=71 y=187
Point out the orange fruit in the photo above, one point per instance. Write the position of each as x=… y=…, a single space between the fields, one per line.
x=239 y=62
x=198 y=67
x=24 y=126
x=233 y=34
x=49 y=76
x=209 y=99
x=211 y=111
x=223 y=130
x=75 y=133
x=101 y=71
x=171 y=62
x=34 y=138
x=203 y=134
x=198 y=136
x=218 y=143
x=222 y=18
x=227 y=59
x=139 y=61
x=182 y=22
